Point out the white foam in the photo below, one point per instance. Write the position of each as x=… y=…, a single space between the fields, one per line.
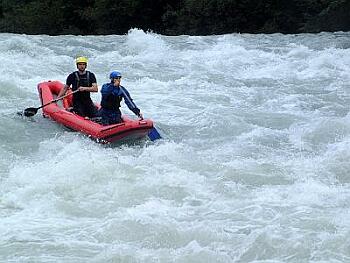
x=254 y=164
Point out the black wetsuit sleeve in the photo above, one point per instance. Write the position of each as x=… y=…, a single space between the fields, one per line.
x=70 y=80
x=92 y=78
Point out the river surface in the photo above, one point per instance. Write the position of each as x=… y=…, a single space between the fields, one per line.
x=253 y=165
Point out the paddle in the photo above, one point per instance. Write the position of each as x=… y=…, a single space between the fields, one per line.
x=29 y=112
x=154 y=134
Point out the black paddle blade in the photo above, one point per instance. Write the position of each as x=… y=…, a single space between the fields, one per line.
x=29 y=112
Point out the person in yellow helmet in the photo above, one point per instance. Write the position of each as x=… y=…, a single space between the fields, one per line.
x=85 y=82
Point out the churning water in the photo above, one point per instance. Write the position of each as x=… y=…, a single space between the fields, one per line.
x=254 y=164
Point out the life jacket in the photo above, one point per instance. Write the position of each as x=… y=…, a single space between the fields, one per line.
x=111 y=101
x=85 y=82
x=82 y=97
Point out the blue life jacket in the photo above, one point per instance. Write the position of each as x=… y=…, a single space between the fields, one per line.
x=112 y=96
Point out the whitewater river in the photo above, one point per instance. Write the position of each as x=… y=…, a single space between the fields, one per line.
x=254 y=164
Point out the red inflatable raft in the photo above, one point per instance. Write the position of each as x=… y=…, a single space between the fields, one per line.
x=128 y=129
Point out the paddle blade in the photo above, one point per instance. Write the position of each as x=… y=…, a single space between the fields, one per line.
x=154 y=134
x=29 y=112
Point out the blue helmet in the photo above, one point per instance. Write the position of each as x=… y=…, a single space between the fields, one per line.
x=115 y=74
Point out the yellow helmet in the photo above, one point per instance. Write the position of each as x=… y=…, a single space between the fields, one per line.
x=81 y=60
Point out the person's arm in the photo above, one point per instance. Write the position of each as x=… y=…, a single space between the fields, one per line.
x=69 y=82
x=94 y=88
x=129 y=102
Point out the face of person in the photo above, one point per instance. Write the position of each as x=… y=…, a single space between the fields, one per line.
x=116 y=81
x=81 y=66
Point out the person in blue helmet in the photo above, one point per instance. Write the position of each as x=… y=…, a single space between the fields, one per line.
x=112 y=95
